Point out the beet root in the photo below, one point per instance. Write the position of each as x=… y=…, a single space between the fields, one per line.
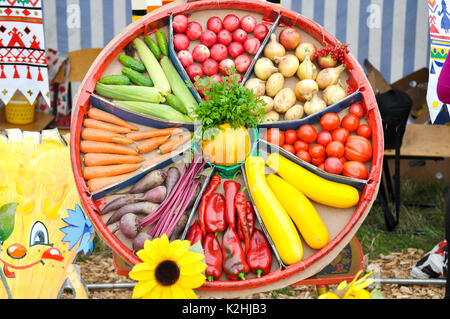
x=156 y=195
x=129 y=225
x=149 y=181
x=136 y=208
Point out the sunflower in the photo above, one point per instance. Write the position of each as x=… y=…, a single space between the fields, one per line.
x=354 y=290
x=168 y=270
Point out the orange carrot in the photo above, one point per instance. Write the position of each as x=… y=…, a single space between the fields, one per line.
x=172 y=144
x=152 y=144
x=91 y=123
x=100 y=159
x=100 y=115
x=137 y=136
x=97 y=184
x=104 y=147
x=93 y=134
x=108 y=170
x=157 y=159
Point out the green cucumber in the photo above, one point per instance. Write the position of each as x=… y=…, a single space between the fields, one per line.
x=176 y=103
x=153 y=47
x=162 y=42
x=132 y=63
x=136 y=77
x=115 y=79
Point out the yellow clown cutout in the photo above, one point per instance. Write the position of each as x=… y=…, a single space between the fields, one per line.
x=42 y=227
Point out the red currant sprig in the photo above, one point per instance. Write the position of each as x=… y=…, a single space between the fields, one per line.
x=337 y=52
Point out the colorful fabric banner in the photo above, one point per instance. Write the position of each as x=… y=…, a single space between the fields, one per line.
x=439 y=20
x=23 y=64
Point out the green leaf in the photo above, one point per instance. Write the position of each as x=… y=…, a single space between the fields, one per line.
x=7 y=214
x=376 y=294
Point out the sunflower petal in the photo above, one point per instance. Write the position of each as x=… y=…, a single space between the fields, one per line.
x=142 y=271
x=155 y=293
x=143 y=287
x=192 y=268
x=192 y=282
x=167 y=293
x=178 y=248
x=190 y=257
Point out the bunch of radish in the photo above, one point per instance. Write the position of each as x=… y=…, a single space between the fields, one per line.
x=223 y=44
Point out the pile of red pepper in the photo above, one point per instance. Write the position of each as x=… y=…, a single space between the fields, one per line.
x=216 y=214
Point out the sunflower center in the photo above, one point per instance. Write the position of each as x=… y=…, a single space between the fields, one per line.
x=167 y=273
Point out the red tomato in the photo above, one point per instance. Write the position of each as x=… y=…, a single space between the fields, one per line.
x=350 y=122
x=307 y=133
x=333 y=165
x=335 y=149
x=275 y=136
x=324 y=138
x=304 y=155
x=341 y=135
x=317 y=151
x=364 y=130
x=317 y=161
x=330 y=122
x=290 y=137
x=301 y=146
x=343 y=160
x=322 y=166
x=289 y=148
x=356 y=170
x=357 y=109
x=358 y=148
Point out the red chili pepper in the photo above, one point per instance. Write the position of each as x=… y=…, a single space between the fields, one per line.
x=213 y=257
x=194 y=234
x=215 y=214
x=231 y=188
x=259 y=255
x=241 y=208
x=250 y=221
x=215 y=182
x=234 y=262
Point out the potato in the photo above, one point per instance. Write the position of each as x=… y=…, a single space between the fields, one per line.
x=294 y=113
x=257 y=86
x=269 y=103
x=274 y=84
x=271 y=116
x=284 y=100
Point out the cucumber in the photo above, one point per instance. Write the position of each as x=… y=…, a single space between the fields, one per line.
x=115 y=79
x=176 y=103
x=136 y=77
x=153 y=47
x=162 y=42
x=132 y=63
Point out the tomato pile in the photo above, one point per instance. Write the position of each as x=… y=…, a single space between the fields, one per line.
x=341 y=147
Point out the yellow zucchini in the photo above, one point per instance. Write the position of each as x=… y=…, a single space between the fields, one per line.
x=302 y=212
x=314 y=187
x=277 y=221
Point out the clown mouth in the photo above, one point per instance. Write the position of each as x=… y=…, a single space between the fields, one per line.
x=10 y=274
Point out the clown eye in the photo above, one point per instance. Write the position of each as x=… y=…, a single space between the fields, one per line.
x=38 y=235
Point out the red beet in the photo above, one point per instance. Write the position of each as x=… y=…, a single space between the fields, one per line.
x=208 y=38
x=200 y=53
x=193 y=71
x=235 y=49
x=240 y=36
x=214 y=24
x=181 y=42
x=210 y=67
x=231 y=22
x=260 y=31
x=194 y=30
x=225 y=37
x=225 y=65
x=180 y=23
x=185 y=58
x=242 y=63
x=248 y=23
x=252 y=45
x=219 y=52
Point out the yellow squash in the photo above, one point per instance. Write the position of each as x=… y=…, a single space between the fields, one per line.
x=313 y=186
x=301 y=211
x=277 y=221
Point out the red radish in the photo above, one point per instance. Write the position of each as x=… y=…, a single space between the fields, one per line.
x=208 y=38
x=216 y=78
x=193 y=71
x=214 y=24
x=252 y=45
x=185 y=58
x=231 y=22
x=194 y=30
x=334 y=165
x=248 y=23
x=290 y=38
x=210 y=67
x=242 y=63
x=219 y=52
x=180 y=23
x=260 y=31
x=225 y=66
x=225 y=37
x=200 y=53
x=240 y=36
x=181 y=42
x=235 y=49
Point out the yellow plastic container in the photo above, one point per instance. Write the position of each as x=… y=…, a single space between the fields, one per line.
x=19 y=110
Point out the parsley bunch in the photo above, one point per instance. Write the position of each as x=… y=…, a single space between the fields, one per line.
x=227 y=102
